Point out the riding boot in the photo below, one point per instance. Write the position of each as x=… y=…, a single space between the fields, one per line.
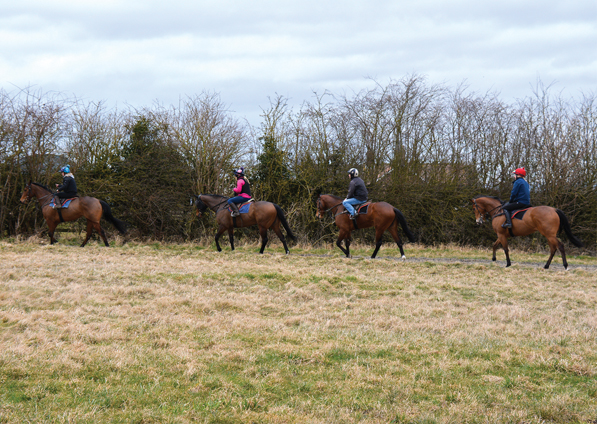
x=234 y=207
x=57 y=203
x=508 y=223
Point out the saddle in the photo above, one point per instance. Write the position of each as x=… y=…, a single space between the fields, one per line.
x=243 y=207
x=519 y=213
x=55 y=203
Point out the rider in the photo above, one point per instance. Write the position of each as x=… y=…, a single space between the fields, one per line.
x=68 y=188
x=242 y=191
x=357 y=193
x=520 y=197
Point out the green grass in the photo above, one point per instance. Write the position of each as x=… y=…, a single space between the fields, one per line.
x=173 y=334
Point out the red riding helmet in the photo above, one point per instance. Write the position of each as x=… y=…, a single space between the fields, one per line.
x=521 y=172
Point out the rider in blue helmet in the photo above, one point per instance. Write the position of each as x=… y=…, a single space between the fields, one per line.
x=68 y=188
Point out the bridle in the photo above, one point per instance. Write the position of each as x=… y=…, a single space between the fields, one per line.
x=30 y=195
x=214 y=208
x=483 y=212
x=327 y=210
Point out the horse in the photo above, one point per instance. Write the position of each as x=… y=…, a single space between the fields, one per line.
x=545 y=219
x=380 y=215
x=91 y=208
x=265 y=215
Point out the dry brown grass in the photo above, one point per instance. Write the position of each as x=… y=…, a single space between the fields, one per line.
x=181 y=333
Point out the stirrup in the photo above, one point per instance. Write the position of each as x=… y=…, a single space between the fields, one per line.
x=234 y=214
x=506 y=225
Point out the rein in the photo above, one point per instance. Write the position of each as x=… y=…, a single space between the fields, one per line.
x=327 y=210
x=215 y=208
x=488 y=213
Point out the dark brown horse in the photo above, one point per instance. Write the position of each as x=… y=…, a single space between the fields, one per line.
x=265 y=215
x=91 y=208
x=380 y=215
x=545 y=219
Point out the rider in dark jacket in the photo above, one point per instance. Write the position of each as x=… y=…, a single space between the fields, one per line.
x=520 y=198
x=68 y=188
x=357 y=193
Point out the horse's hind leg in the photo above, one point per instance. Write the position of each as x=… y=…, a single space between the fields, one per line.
x=51 y=228
x=394 y=233
x=553 y=246
x=100 y=231
x=276 y=228
x=88 y=235
x=263 y=233
x=563 y=252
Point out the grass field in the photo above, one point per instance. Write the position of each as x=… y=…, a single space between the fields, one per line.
x=167 y=333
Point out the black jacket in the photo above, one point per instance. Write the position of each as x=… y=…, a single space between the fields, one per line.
x=357 y=190
x=68 y=186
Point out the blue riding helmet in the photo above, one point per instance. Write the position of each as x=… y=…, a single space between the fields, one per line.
x=65 y=169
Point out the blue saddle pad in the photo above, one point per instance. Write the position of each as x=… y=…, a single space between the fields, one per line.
x=64 y=204
x=244 y=207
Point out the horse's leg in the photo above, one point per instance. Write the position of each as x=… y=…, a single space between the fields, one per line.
x=378 y=241
x=231 y=237
x=504 y=241
x=100 y=231
x=51 y=228
x=394 y=233
x=553 y=246
x=221 y=230
x=563 y=252
x=344 y=235
x=263 y=233
x=88 y=235
x=495 y=246
x=276 y=228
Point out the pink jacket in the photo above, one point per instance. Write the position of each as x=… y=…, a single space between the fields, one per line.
x=239 y=187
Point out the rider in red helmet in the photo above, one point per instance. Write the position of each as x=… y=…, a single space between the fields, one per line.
x=520 y=198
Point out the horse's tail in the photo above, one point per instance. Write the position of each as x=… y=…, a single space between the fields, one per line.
x=282 y=219
x=402 y=220
x=564 y=224
x=118 y=224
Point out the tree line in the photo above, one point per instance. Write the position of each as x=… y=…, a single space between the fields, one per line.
x=426 y=149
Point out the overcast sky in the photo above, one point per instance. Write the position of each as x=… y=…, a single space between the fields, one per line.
x=140 y=51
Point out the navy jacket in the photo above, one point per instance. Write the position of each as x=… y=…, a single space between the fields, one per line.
x=357 y=190
x=521 y=192
x=68 y=186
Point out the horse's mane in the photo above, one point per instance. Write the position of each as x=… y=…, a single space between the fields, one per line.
x=42 y=186
x=216 y=195
x=331 y=195
x=491 y=197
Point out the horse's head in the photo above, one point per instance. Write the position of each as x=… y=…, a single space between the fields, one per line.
x=320 y=208
x=479 y=211
x=483 y=206
x=27 y=193
x=201 y=207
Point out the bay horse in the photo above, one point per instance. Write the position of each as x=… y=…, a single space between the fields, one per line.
x=265 y=215
x=545 y=219
x=91 y=208
x=380 y=215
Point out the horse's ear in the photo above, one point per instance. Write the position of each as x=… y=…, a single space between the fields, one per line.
x=473 y=201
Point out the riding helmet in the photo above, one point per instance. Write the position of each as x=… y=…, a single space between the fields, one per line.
x=353 y=172
x=65 y=169
x=240 y=172
x=521 y=172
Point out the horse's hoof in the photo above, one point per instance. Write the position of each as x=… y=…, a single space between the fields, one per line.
x=403 y=258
